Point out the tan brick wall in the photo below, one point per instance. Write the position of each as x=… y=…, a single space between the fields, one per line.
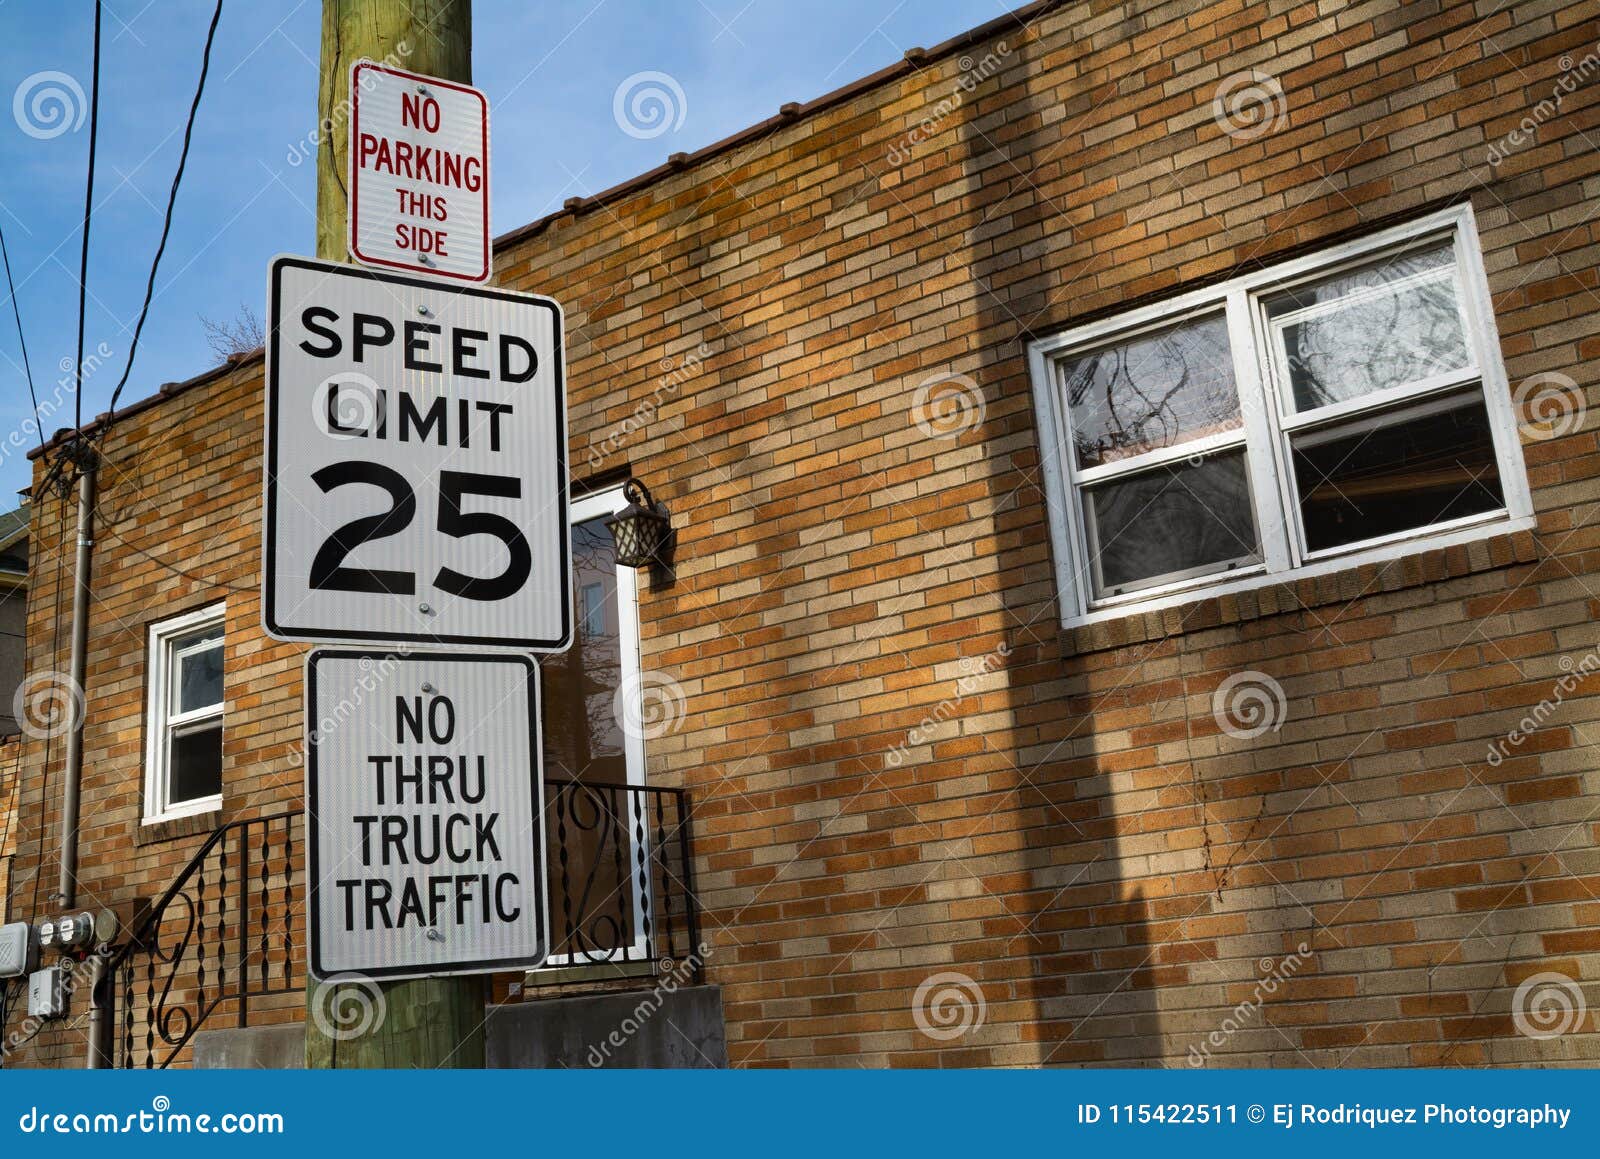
x=1075 y=835
x=180 y=484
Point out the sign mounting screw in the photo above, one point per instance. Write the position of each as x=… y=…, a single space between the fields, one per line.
x=425 y=609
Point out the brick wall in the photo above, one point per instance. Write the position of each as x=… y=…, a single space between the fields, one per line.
x=1072 y=845
x=178 y=529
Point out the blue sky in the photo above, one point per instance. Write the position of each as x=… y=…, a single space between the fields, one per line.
x=550 y=70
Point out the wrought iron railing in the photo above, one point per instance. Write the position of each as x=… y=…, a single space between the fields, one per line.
x=223 y=933
x=229 y=928
x=621 y=868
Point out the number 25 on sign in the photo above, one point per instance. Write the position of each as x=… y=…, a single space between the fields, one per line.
x=415 y=474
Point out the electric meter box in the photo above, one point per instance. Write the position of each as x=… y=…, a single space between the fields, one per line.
x=46 y=993
x=16 y=949
x=75 y=930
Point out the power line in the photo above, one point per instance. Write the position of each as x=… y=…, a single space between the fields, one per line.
x=166 y=225
x=16 y=312
x=192 y=577
x=88 y=209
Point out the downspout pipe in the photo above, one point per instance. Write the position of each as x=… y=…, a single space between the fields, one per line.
x=67 y=887
x=95 y=1056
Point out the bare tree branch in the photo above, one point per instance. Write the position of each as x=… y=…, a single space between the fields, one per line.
x=240 y=336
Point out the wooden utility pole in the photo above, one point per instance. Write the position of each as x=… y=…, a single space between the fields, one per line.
x=427 y=36
x=429 y=1022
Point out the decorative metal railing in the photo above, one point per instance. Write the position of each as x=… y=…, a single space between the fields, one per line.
x=620 y=875
x=224 y=932
x=230 y=927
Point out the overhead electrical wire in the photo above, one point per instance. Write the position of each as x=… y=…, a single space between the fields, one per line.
x=16 y=312
x=172 y=199
x=177 y=571
x=83 y=270
x=88 y=211
x=149 y=292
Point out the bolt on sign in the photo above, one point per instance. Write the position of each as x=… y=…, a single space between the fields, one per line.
x=418 y=173
x=415 y=473
x=424 y=813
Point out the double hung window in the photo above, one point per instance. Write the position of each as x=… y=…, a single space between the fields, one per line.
x=1342 y=407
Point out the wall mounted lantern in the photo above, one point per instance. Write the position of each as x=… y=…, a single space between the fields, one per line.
x=642 y=530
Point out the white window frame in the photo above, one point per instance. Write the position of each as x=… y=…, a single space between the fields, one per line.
x=160 y=720
x=1267 y=425
x=597 y=506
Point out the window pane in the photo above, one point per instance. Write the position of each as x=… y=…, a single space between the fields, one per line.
x=582 y=737
x=592 y=601
x=588 y=830
x=199 y=674
x=1383 y=326
x=196 y=761
x=1178 y=519
x=1407 y=473
x=1156 y=391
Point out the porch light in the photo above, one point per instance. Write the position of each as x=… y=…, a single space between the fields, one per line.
x=642 y=530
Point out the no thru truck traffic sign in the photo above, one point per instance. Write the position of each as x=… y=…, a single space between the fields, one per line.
x=424 y=818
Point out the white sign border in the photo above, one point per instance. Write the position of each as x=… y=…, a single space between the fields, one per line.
x=309 y=796
x=350 y=175
x=269 y=508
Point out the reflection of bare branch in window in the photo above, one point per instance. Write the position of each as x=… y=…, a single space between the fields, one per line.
x=582 y=737
x=1387 y=335
x=1152 y=392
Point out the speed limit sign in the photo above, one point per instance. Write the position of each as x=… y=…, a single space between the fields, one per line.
x=415 y=474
